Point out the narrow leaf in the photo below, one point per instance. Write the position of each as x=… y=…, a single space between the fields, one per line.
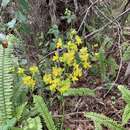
x=125 y=93
x=24 y=4
x=33 y=124
x=12 y=23
x=103 y=120
x=44 y=112
x=19 y=111
x=97 y=126
x=126 y=115
x=79 y=92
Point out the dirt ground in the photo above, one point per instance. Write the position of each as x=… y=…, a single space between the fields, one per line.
x=109 y=104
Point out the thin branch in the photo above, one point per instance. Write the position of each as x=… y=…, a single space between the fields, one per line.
x=103 y=27
x=76 y=5
x=51 y=53
x=86 y=14
x=121 y=63
x=70 y=114
x=119 y=30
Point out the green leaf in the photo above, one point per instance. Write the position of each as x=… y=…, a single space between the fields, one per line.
x=102 y=64
x=97 y=126
x=41 y=107
x=21 y=17
x=5 y=3
x=6 y=81
x=19 y=111
x=11 y=123
x=107 y=42
x=103 y=120
x=33 y=124
x=126 y=55
x=79 y=92
x=8 y=124
x=125 y=93
x=68 y=129
x=54 y=30
x=52 y=46
x=113 y=66
x=126 y=115
x=24 y=5
x=12 y=39
x=12 y=23
x=14 y=128
x=24 y=28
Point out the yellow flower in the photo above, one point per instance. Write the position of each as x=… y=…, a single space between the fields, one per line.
x=33 y=69
x=53 y=87
x=74 y=78
x=84 y=57
x=77 y=72
x=57 y=71
x=83 y=53
x=86 y=65
x=28 y=81
x=72 y=46
x=56 y=82
x=56 y=57
x=59 y=43
x=73 y=32
x=68 y=57
x=65 y=85
x=96 y=55
x=78 y=40
x=47 y=78
x=20 y=71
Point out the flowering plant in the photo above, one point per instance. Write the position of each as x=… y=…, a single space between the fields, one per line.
x=28 y=80
x=69 y=59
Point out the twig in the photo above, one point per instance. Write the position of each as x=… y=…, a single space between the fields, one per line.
x=77 y=104
x=86 y=14
x=76 y=5
x=103 y=27
x=52 y=10
x=70 y=114
x=51 y=53
x=63 y=112
x=120 y=66
x=120 y=50
x=119 y=30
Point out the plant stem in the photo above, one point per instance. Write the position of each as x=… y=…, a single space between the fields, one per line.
x=63 y=112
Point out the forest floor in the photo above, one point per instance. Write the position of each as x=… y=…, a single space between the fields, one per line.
x=109 y=103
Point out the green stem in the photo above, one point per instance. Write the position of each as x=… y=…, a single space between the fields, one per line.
x=63 y=112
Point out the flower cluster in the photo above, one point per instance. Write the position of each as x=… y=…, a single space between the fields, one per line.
x=59 y=43
x=33 y=69
x=84 y=57
x=28 y=80
x=69 y=64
